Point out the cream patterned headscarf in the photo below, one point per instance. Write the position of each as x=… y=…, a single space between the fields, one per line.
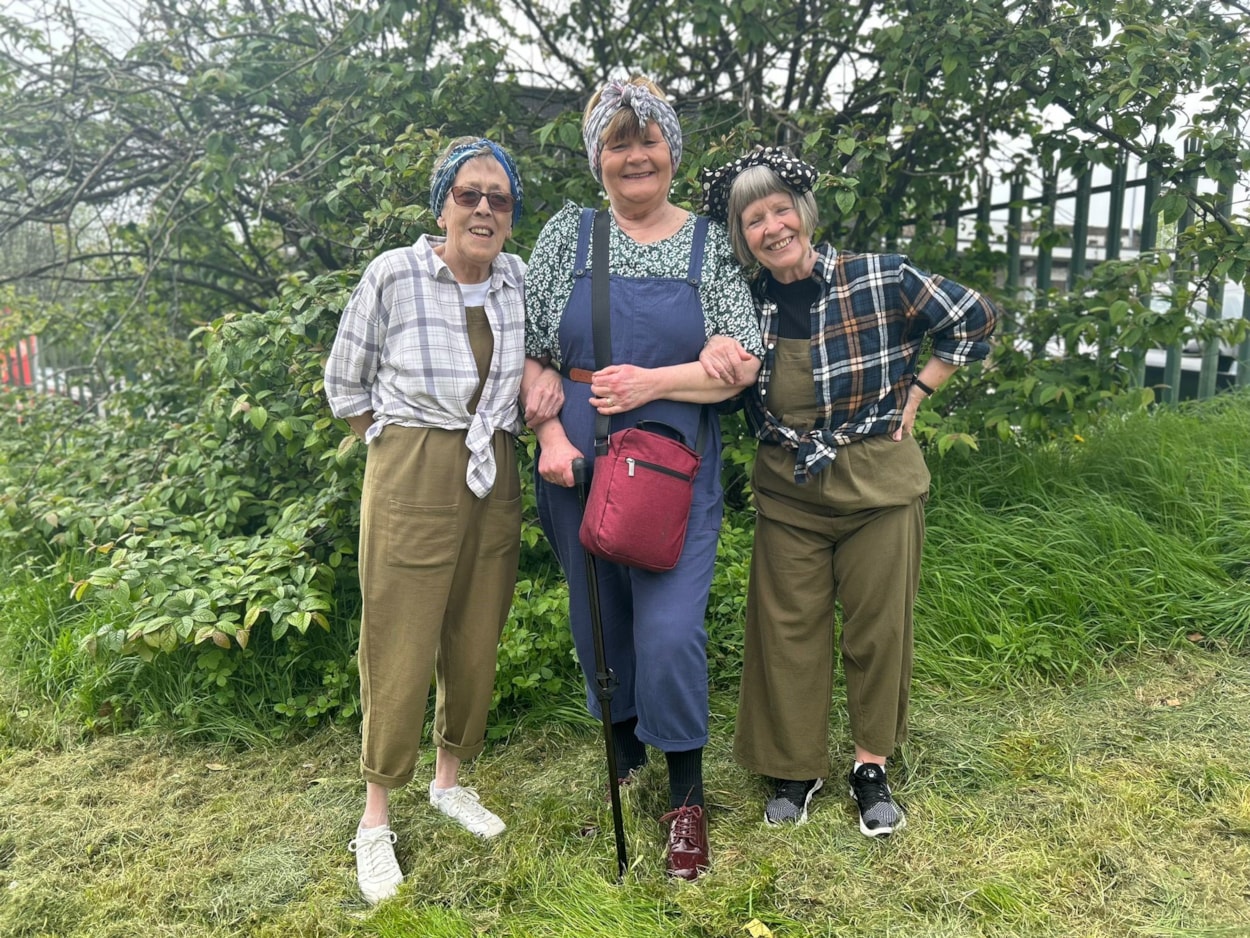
x=644 y=104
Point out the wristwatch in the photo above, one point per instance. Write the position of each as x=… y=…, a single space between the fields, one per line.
x=916 y=382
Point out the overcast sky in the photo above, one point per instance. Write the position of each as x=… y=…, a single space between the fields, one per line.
x=107 y=18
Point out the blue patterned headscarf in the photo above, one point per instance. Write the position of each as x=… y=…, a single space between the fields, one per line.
x=445 y=174
x=645 y=105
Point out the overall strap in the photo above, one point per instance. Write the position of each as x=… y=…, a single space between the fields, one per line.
x=699 y=242
x=693 y=276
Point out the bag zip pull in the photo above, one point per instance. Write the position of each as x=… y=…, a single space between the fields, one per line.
x=629 y=461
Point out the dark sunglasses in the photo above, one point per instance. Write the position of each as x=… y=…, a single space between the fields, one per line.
x=468 y=197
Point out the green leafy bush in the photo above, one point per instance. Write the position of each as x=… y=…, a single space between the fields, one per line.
x=221 y=539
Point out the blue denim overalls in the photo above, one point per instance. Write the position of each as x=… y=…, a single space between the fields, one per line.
x=654 y=636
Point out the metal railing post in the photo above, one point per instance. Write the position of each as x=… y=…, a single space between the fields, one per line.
x=1243 y=351
x=1115 y=210
x=1215 y=310
x=1172 y=369
x=1080 y=229
x=1148 y=237
x=1050 y=182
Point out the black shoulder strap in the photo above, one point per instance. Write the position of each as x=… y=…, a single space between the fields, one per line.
x=584 y=224
x=600 y=318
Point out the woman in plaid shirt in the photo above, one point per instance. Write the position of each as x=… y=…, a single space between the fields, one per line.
x=426 y=368
x=840 y=483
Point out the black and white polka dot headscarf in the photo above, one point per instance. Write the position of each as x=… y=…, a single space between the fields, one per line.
x=717 y=183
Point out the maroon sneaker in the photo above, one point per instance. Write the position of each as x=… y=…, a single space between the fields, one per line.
x=688 y=852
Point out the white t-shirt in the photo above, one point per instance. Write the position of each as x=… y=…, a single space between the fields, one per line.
x=474 y=293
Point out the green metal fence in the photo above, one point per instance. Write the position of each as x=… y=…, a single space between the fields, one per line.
x=46 y=368
x=1188 y=372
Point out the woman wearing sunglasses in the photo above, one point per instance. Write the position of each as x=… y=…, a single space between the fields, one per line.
x=426 y=368
x=674 y=282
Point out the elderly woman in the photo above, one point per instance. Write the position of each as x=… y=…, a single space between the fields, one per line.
x=674 y=282
x=839 y=482
x=426 y=368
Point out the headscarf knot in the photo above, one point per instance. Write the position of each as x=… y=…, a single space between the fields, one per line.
x=645 y=105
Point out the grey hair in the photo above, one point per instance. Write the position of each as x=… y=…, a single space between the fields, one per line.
x=758 y=182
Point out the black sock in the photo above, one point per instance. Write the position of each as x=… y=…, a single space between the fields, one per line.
x=630 y=752
x=685 y=777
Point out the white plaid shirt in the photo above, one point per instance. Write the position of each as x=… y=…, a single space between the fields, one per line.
x=402 y=351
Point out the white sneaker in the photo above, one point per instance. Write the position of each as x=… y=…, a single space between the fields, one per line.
x=462 y=805
x=377 y=871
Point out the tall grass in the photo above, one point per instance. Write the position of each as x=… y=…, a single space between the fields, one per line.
x=41 y=629
x=1047 y=560
x=1040 y=561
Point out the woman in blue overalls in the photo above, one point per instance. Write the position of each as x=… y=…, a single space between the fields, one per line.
x=674 y=283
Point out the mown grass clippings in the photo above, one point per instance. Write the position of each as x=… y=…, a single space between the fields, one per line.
x=1116 y=805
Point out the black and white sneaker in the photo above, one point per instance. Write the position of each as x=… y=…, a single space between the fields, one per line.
x=879 y=815
x=789 y=804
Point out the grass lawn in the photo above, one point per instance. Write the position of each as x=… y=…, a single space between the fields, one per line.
x=1116 y=806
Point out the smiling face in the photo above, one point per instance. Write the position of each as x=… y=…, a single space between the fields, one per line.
x=774 y=233
x=475 y=236
x=637 y=171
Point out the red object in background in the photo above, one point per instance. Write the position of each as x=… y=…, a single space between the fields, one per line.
x=18 y=365
x=15 y=364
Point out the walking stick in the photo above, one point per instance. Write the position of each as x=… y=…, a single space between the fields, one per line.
x=605 y=680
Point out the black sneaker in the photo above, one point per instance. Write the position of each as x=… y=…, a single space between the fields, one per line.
x=789 y=804
x=879 y=815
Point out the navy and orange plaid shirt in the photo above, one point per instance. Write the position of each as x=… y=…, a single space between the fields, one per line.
x=868 y=324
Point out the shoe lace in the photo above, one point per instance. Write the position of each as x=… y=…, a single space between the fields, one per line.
x=467 y=803
x=793 y=792
x=370 y=847
x=685 y=821
x=872 y=789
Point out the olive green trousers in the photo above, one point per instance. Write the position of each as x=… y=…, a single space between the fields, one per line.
x=851 y=535
x=437 y=571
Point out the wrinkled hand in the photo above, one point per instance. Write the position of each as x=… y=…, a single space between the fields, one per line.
x=555 y=462
x=909 y=416
x=361 y=423
x=543 y=399
x=619 y=388
x=723 y=357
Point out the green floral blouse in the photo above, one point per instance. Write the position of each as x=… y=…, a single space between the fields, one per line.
x=727 y=305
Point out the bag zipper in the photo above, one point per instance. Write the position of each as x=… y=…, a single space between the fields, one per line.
x=630 y=461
